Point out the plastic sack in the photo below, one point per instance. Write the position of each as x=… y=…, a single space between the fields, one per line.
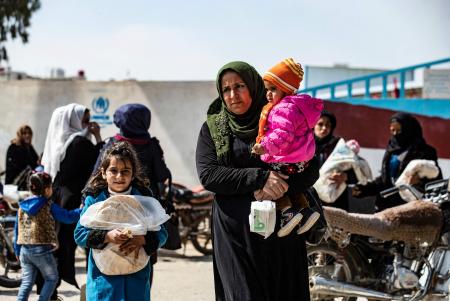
x=110 y=261
x=262 y=217
x=422 y=169
x=136 y=214
x=341 y=159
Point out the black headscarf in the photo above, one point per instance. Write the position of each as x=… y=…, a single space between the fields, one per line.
x=133 y=120
x=410 y=135
x=222 y=123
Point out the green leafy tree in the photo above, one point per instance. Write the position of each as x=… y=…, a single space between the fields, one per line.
x=15 y=18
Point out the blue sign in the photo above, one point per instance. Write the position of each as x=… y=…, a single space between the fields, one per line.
x=100 y=105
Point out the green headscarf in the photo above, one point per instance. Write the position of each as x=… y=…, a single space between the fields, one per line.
x=223 y=123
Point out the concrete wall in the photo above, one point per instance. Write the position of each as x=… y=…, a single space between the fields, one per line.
x=178 y=111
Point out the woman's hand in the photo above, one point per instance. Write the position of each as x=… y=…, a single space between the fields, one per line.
x=260 y=195
x=132 y=245
x=275 y=186
x=258 y=149
x=413 y=179
x=338 y=177
x=116 y=236
x=356 y=191
x=94 y=129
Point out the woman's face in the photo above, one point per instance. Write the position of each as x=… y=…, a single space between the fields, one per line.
x=86 y=119
x=26 y=136
x=322 y=127
x=235 y=93
x=395 y=128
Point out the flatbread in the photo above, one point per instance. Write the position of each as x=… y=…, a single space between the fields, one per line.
x=117 y=209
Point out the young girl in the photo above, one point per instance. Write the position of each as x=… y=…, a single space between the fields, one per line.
x=119 y=174
x=35 y=235
x=286 y=140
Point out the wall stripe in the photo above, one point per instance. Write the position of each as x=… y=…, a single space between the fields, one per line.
x=370 y=126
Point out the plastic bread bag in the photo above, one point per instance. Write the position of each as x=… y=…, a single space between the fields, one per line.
x=110 y=261
x=262 y=217
x=134 y=215
x=420 y=168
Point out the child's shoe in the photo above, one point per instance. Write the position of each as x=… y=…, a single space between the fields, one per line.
x=310 y=217
x=290 y=218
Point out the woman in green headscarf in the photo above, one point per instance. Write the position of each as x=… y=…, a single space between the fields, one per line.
x=247 y=266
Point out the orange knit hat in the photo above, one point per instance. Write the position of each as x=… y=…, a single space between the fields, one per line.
x=286 y=75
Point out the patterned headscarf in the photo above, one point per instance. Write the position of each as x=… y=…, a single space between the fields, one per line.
x=222 y=123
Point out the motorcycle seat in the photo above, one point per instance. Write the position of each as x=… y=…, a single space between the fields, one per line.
x=416 y=222
x=202 y=197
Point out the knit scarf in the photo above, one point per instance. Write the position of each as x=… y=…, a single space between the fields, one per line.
x=223 y=124
x=263 y=120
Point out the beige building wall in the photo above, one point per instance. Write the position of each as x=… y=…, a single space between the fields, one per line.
x=178 y=111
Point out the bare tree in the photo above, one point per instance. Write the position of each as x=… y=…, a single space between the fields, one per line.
x=15 y=18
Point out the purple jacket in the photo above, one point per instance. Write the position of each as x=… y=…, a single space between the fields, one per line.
x=289 y=136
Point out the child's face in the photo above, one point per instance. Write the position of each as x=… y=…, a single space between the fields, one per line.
x=273 y=94
x=48 y=192
x=118 y=175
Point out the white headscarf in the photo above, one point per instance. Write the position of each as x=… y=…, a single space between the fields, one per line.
x=64 y=126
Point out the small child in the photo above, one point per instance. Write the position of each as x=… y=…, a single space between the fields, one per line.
x=35 y=235
x=119 y=174
x=285 y=138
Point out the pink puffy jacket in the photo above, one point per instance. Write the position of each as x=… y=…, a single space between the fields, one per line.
x=289 y=137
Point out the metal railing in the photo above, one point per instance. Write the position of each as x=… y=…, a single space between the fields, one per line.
x=366 y=79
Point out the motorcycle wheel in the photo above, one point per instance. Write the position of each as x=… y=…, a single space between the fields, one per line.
x=10 y=272
x=322 y=260
x=201 y=236
x=9 y=278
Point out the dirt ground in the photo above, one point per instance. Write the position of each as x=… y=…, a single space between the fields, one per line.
x=179 y=275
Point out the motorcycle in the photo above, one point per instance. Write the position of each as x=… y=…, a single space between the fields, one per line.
x=10 y=271
x=192 y=212
x=363 y=256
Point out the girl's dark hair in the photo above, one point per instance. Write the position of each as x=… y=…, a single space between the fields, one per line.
x=18 y=140
x=123 y=151
x=331 y=117
x=38 y=182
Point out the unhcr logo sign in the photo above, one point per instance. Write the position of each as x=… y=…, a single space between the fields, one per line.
x=100 y=106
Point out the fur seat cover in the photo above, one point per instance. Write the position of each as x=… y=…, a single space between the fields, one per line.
x=416 y=221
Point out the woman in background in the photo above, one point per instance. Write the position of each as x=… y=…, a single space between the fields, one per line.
x=20 y=158
x=69 y=157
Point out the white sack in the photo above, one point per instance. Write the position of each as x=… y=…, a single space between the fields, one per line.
x=341 y=159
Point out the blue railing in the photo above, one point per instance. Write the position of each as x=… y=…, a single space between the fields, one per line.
x=332 y=87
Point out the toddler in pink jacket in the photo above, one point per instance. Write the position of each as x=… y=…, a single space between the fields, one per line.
x=286 y=138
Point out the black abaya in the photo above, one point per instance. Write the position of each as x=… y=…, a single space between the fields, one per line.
x=247 y=266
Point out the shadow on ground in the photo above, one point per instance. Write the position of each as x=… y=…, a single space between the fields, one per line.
x=167 y=255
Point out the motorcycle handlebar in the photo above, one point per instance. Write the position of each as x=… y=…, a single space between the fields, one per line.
x=388 y=192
